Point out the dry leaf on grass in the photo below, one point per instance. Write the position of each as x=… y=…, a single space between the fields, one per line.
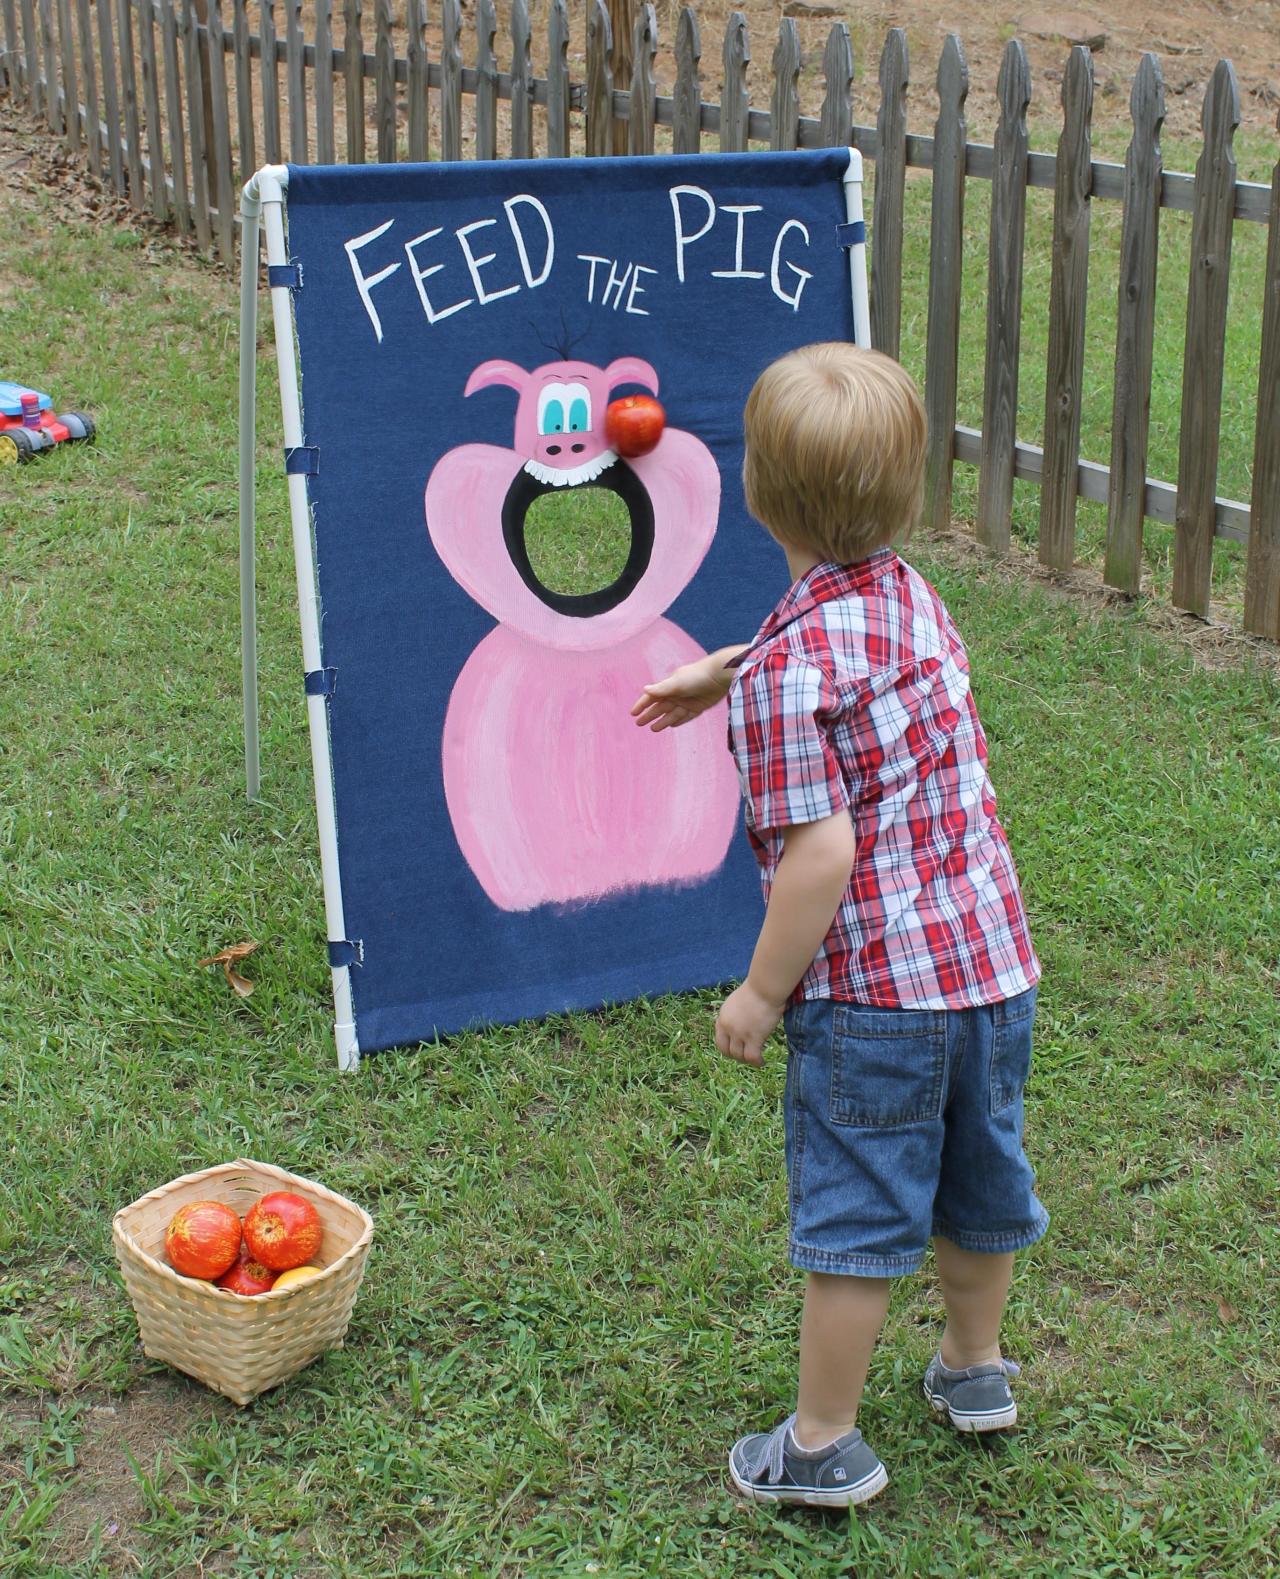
x=228 y=957
x=1227 y=1311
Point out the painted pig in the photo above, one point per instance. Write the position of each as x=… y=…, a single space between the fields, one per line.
x=554 y=794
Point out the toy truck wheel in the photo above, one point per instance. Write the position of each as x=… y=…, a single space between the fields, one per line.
x=79 y=424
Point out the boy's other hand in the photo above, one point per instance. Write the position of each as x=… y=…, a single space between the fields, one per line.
x=745 y=1023
x=685 y=693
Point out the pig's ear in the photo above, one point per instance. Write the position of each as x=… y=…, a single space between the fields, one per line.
x=489 y=373
x=631 y=370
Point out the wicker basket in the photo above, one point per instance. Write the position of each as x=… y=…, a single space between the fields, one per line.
x=239 y=1345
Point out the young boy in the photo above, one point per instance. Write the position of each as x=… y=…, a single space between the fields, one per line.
x=894 y=941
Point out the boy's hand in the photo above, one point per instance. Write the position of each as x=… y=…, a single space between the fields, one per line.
x=686 y=692
x=745 y=1023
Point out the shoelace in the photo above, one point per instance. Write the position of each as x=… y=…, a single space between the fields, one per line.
x=769 y=1463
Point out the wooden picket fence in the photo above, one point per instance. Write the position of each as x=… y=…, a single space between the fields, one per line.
x=171 y=105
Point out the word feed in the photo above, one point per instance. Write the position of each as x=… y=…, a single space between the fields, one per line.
x=496 y=256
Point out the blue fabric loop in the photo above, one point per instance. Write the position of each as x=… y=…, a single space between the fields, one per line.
x=345 y=952
x=852 y=234
x=287 y=274
x=302 y=461
x=321 y=682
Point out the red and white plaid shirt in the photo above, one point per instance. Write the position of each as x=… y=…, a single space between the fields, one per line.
x=855 y=695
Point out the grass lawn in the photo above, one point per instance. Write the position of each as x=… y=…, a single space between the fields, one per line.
x=578 y=1291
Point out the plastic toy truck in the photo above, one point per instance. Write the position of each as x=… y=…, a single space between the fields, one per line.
x=28 y=424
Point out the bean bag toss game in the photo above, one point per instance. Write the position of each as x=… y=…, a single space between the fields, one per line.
x=499 y=841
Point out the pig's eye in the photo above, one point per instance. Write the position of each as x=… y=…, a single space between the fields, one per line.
x=552 y=418
x=578 y=399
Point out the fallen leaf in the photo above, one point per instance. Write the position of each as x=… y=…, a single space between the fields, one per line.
x=228 y=957
x=1227 y=1311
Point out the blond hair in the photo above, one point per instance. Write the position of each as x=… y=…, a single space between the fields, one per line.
x=835 y=450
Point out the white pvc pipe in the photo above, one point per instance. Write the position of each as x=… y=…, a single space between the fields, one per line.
x=272 y=180
x=858 y=252
x=250 y=208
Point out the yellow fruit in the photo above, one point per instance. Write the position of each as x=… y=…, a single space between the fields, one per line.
x=297 y=1274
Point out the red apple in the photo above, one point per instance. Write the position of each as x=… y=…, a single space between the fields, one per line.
x=282 y=1230
x=634 y=424
x=202 y=1239
x=247 y=1276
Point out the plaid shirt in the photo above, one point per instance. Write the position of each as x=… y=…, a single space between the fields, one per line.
x=855 y=696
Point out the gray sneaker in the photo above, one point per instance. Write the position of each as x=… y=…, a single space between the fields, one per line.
x=977 y=1398
x=772 y=1467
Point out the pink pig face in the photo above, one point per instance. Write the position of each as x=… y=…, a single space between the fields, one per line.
x=478 y=498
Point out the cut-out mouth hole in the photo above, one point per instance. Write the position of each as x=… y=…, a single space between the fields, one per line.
x=582 y=549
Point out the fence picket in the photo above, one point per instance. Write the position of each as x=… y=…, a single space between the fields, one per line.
x=557 y=80
x=245 y=134
x=946 y=244
x=89 y=72
x=129 y=96
x=296 y=81
x=1135 y=332
x=12 y=74
x=1004 y=301
x=521 y=82
x=49 y=69
x=686 y=111
x=271 y=140
x=31 y=43
x=384 y=83
x=890 y=189
x=735 y=106
x=599 y=98
x=196 y=128
x=785 y=103
x=353 y=72
x=643 y=112
x=173 y=117
x=110 y=98
x=220 y=173
x=419 y=78
x=837 y=101
x=451 y=79
x=151 y=96
x=324 y=81
x=1068 y=291
x=1205 y=346
x=1262 y=575
x=486 y=80
x=70 y=91
x=622 y=27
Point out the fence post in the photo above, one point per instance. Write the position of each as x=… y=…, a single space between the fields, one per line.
x=151 y=93
x=88 y=65
x=946 y=247
x=451 y=78
x=196 y=124
x=49 y=68
x=1262 y=577
x=1068 y=291
x=70 y=91
x=245 y=134
x=686 y=114
x=1135 y=333
x=271 y=141
x=521 y=82
x=837 y=100
x=129 y=92
x=1004 y=301
x=1204 y=349
x=221 y=173
x=643 y=92
x=353 y=50
x=557 y=80
x=622 y=27
x=890 y=188
x=295 y=70
x=31 y=44
x=12 y=66
x=110 y=101
x=785 y=105
x=324 y=80
x=419 y=79
x=735 y=106
x=173 y=115
x=599 y=81
x=384 y=83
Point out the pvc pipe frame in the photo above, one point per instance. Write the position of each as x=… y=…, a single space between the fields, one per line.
x=264 y=196
x=262 y=203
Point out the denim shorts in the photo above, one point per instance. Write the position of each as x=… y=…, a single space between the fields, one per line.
x=904 y=1123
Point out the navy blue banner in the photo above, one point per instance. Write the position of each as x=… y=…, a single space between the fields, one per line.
x=510 y=844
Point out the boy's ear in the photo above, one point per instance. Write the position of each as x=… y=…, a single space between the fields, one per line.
x=631 y=370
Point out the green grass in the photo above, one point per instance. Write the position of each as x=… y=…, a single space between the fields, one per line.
x=578 y=1292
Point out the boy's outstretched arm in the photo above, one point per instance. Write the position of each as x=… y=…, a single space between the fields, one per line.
x=686 y=691
x=817 y=858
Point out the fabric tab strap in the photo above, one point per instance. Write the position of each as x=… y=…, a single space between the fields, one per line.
x=853 y=234
x=345 y=952
x=321 y=682
x=302 y=461
x=287 y=274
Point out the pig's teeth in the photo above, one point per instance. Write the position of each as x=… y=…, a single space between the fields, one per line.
x=561 y=477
